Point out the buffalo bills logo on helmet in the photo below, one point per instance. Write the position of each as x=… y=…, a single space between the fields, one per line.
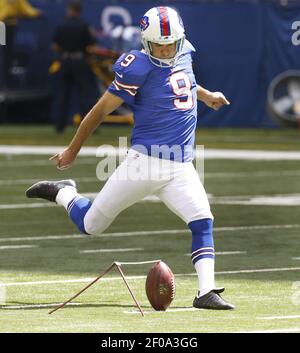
x=144 y=23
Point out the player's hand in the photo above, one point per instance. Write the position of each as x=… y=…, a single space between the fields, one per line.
x=65 y=159
x=216 y=100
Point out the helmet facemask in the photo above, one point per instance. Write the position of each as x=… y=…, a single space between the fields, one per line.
x=163 y=62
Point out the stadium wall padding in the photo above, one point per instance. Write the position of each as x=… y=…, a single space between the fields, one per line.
x=241 y=46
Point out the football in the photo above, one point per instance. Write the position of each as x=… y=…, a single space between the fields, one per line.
x=160 y=286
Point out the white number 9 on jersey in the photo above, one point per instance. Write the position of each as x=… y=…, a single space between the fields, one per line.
x=181 y=86
x=128 y=60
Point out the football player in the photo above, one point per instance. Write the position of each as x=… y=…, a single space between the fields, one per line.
x=159 y=85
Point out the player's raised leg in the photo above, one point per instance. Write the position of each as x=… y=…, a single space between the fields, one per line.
x=64 y=193
x=186 y=197
x=126 y=186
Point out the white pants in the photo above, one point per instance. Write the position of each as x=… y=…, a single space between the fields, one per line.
x=176 y=184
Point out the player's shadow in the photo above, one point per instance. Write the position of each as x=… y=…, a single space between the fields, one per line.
x=34 y=306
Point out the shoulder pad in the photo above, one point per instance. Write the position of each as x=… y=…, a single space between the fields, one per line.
x=188 y=47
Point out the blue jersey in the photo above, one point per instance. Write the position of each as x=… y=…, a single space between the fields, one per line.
x=163 y=102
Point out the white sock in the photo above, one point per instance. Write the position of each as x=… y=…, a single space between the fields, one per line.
x=206 y=275
x=66 y=195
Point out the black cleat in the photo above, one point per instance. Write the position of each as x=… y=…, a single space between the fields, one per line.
x=212 y=300
x=48 y=190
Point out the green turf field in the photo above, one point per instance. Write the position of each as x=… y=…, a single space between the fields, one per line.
x=44 y=261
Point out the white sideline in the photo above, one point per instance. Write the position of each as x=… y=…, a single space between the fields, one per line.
x=209 y=153
x=150 y=232
x=83 y=280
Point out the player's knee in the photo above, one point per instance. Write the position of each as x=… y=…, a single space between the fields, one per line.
x=93 y=229
x=95 y=223
x=206 y=214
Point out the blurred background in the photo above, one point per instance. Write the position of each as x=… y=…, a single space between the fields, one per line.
x=242 y=46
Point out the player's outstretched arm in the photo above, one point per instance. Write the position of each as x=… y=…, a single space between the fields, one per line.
x=214 y=100
x=106 y=104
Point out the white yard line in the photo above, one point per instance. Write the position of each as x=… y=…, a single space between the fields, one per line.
x=27 y=205
x=146 y=233
x=35 y=306
x=50 y=237
x=278 y=317
x=259 y=270
x=83 y=280
x=268 y=200
x=32 y=181
x=275 y=226
x=169 y=310
x=109 y=250
x=230 y=252
x=259 y=174
x=9 y=163
x=8 y=247
x=262 y=200
x=206 y=175
x=79 y=280
x=280 y=330
x=115 y=151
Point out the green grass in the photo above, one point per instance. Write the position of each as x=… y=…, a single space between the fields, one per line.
x=107 y=306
